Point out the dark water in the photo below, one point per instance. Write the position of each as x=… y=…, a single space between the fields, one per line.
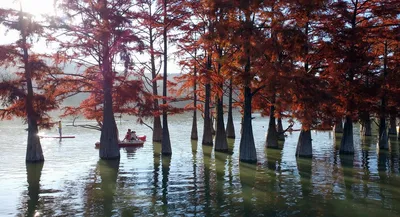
x=195 y=180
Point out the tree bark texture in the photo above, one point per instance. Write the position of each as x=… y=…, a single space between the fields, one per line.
x=221 y=143
x=207 y=127
x=272 y=135
x=304 y=144
x=347 y=144
x=247 y=146
x=230 y=127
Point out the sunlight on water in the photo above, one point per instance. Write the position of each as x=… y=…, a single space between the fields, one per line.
x=196 y=180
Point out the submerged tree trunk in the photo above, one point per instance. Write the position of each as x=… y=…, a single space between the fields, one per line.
x=230 y=127
x=207 y=128
x=304 y=144
x=109 y=148
x=392 y=128
x=165 y=141
x=347 y=144
x=339 y=126
x=34 y=152
x=383 y=137
x=272 y=135
x=281 y=134
x=194 y=134
x=247 y=146
x=365 y=128
x=221 y=143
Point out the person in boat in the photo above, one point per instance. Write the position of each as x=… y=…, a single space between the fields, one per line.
x=134 y=136
x=128 y=135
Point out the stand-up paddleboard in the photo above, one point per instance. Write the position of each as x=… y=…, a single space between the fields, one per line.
x=58 y=137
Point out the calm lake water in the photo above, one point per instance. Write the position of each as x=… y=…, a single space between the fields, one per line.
x=195 y=180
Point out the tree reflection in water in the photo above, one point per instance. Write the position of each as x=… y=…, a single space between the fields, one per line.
x=166 y=163
x=34 y=172
x=100 y=194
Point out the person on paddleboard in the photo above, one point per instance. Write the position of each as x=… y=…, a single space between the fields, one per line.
x=60 y=129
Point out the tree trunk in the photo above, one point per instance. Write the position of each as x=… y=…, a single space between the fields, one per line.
x=339 y=126
x=247 y=146
x=165 y=141
x=207 y=128
x=392 y=129
x=304 y=145
x=281 y=135
x=34 y=152
x=383 y=137
x=365 y=128
x=194 y=134
x=230 y=127
x=109 y=148
x=272 y=135
x=347 y=144
x=221 y=143
x=157 y=128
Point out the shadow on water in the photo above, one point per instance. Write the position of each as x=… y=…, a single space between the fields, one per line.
x=34 y=172
x=100 y=195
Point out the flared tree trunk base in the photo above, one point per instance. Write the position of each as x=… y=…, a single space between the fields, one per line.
x=347 y=144
x=304 y=145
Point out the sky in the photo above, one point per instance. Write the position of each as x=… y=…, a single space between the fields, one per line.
x=37 y=8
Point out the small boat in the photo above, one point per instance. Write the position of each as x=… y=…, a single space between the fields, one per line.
x=132 y=143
